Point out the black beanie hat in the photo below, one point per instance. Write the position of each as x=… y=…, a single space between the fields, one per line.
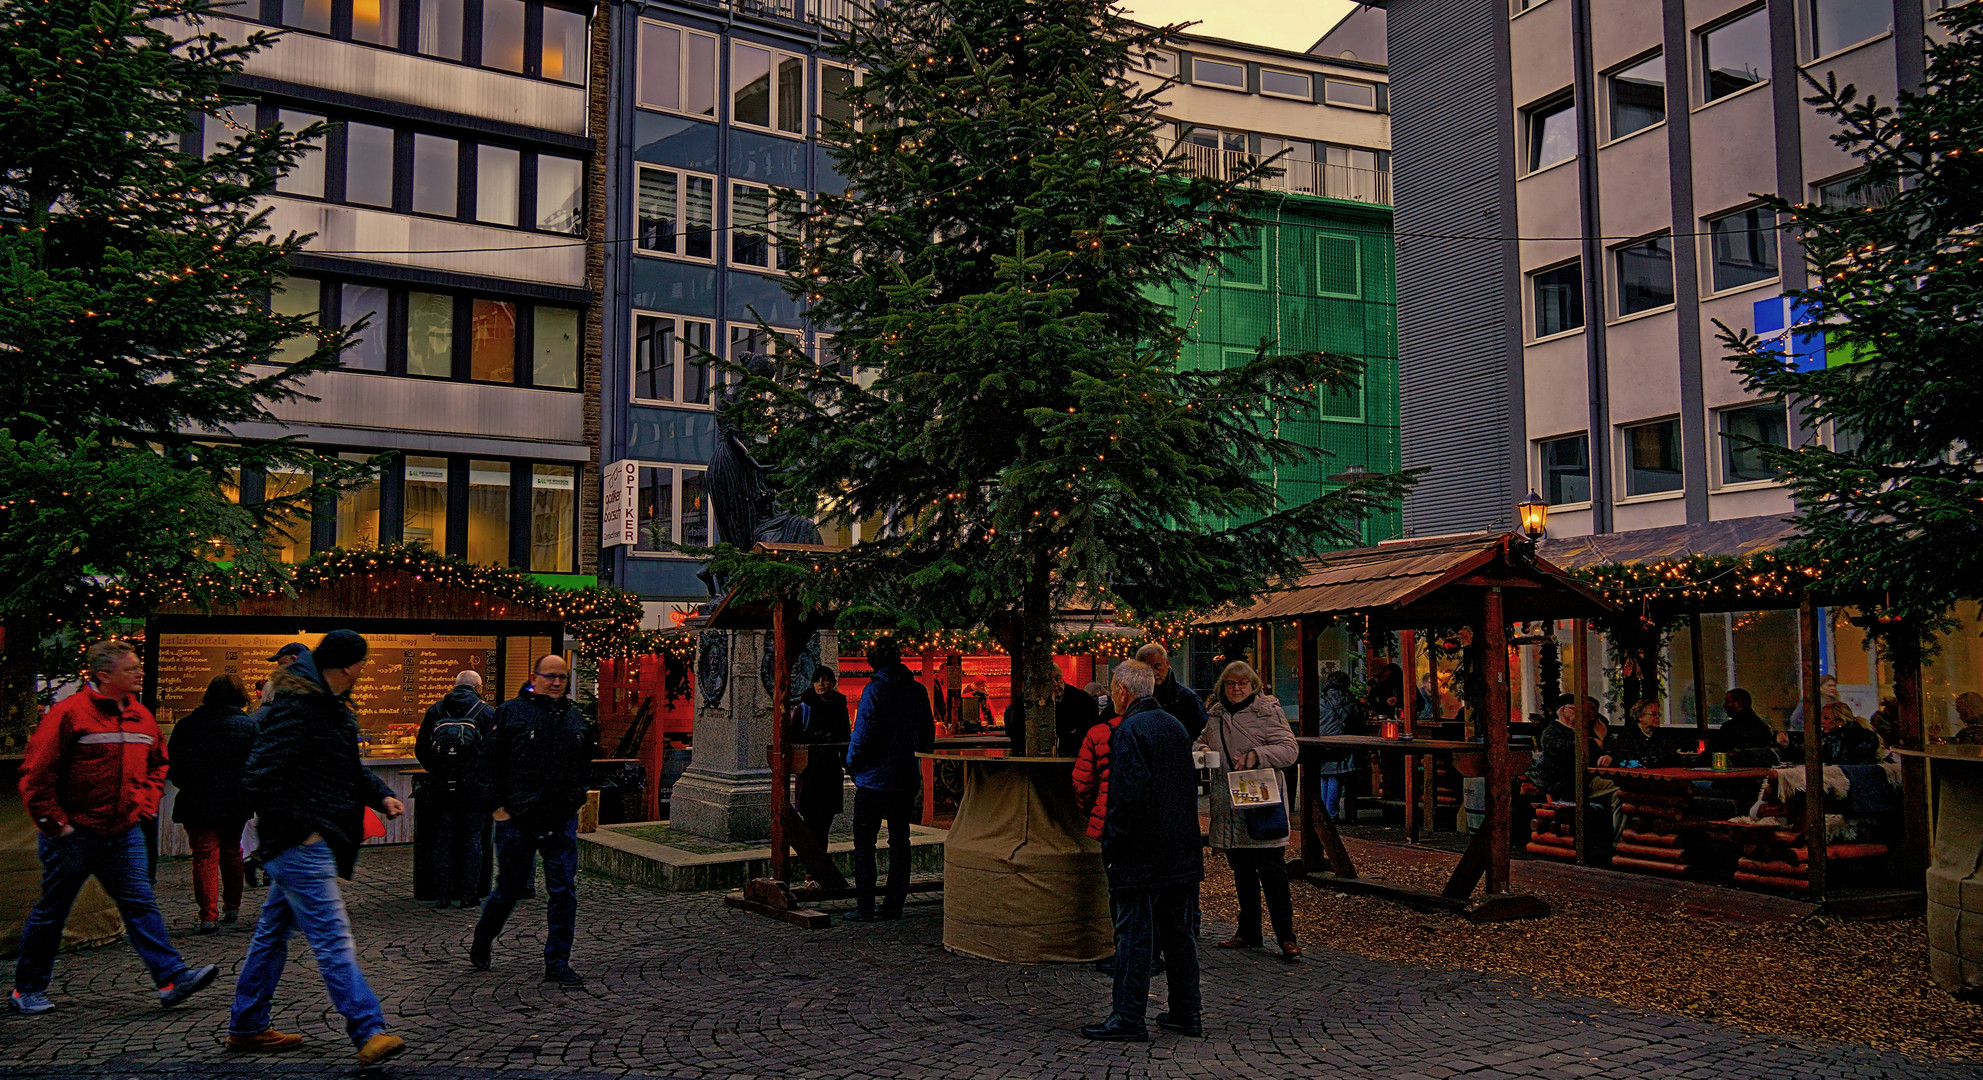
x=339 y=649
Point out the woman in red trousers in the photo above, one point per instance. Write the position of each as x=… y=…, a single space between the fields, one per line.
x=208 y=751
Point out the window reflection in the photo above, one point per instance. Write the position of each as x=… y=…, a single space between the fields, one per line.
x=426 y=502
x=375 y=22
x=492 y=355
x=358 y=511
x=553 y=518
x=489 y=513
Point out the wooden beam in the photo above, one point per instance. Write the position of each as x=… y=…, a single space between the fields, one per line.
x=801 y=917
x=1814 y=767
x=1581 y=790
x=1309 y=709
x=1904 y=653
x=1700 y=665
x=1499 y=797
x=1408 y=663
x=784 y=614
x=813 y=853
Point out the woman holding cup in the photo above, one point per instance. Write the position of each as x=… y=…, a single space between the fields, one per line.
x=1248 y=730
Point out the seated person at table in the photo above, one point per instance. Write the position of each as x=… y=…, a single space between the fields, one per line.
x=1555 y=767
x=1743 y=730
x=1634 y=742
x=1969 y=713
x=1846 y=740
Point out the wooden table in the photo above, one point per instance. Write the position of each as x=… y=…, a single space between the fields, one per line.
x=1655 y=803
x=1469 y=759
x=947 y=746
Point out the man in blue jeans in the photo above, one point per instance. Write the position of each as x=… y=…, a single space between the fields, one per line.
x=94 y=767
x=533 y=771
x=310 y=791
x=893 y=724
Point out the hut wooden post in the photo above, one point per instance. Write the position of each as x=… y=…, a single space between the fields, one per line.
x=1581 y=789
x=1310 y=711
x=783 y=614
x=1408 y=662
x=1499 y=797
x=1814 y=767
x=1904 y=653
x=1700 y=665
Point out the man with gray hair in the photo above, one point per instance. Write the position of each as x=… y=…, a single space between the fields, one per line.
x=1177 y=699
x=450 y=740
x=1151 y=849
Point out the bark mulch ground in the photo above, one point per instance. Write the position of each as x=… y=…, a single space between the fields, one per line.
x=1864 y=982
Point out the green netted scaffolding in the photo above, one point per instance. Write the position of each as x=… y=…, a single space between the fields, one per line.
x=1325 y=279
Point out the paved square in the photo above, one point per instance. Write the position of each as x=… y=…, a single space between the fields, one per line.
x=684 y=987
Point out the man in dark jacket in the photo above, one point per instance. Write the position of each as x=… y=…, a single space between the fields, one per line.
x=448 y=745
x=1174 y=697
x=1073 y=715
x=1151 y=848
x=310 y=791
x=821 y=718
x=534 y=772
x=94 y=767
x=1744 y=730
x=892 y=725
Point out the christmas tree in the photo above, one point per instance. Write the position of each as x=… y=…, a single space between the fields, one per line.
x=135 y=277
x=1004 y=406
x=1891 y=495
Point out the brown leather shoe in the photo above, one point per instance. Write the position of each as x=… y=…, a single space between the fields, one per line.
x=1238 y=943
x=264 y=1042
x=1290 y=951
x=380 y=1048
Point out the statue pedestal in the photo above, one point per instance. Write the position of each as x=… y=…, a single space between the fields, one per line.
x=725 y=793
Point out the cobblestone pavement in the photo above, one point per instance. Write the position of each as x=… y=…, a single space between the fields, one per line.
x=683 y=987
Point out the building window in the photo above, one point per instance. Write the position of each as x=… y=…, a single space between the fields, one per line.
x=670 y=359
x=562 y=57
x=677 y=70
x=366 y=303
x=836 y=92
x=1840 y=24
x=1853 y=192
x=1218 y=73
x=560 y=195
x=768 y=89
x=436 y=174
x=677 y=213
x=1294 y=84
x=375 y=22
x=1638 y=96
x=554 y=347
x=1744 y=432
x=1743 y=248
x=1559 y=299
x=311 y=15
x=1338 y=266
x=1652 y=457
x=426 y=502
x=1245 y=264
x=498 y=181
x=553 y=519
x=492 y=341
x=441 y=26
x=1565 y=466
x=489 y=513
x=1735 y=55
x=523 y=37
x=306 y=177
x=358 y=510
x=1645 y=275
x=746 y=340
x=1552 y=133
x=1161 y=63
x=754 y=239
x=430 y=335
x=368 y=164
x=1355 y=95
x=502 y=34
x=298 y=298
x=671 y=507
x=291 y=535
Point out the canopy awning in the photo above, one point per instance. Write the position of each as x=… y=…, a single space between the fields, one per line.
x=1435 y=581
x=1736 y=537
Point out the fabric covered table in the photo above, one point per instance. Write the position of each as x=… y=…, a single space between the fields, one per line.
x=1022 y=882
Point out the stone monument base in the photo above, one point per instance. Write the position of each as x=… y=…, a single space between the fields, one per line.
x=733 y=807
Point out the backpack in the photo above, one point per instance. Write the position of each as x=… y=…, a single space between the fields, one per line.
x=456 y=741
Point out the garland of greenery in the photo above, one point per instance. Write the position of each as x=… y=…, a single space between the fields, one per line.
x=1665 y=588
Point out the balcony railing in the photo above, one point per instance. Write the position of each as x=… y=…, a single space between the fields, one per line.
x=831 y=14
x=1303 y=177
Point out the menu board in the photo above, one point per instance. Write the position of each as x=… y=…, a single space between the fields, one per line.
x=403 y=673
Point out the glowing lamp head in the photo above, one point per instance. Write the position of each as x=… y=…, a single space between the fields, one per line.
x=1535 y=516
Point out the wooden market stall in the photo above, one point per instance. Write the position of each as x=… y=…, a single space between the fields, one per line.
x=1484 y=581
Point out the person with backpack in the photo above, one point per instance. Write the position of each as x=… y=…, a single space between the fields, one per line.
x=208 y=754
x=448 y=746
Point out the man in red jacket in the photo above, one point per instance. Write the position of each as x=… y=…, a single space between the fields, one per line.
x=94 y=767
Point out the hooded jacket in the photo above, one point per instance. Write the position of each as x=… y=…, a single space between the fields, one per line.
x=94 y=763
x=891 y=727
x=537 y=763
x=209 y=752
x=304 y=774
x=1150 y=835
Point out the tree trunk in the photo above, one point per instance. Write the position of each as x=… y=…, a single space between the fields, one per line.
x=1038 y=687
x=20 y=655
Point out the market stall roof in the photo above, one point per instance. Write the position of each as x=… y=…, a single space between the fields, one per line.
x=384 y=593
x=1435 y=581
x=1737 y=537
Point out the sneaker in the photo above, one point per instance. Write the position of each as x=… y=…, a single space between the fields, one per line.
x=229 y=918
x=380 y=1049
x=189 y=982
x=1183 y=1025
x=478 y=956
x=31 y=1003
x=275 y=1042
x=208 y=928
x=563 y=975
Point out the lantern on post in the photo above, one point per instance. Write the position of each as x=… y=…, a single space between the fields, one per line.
x=1535 y=516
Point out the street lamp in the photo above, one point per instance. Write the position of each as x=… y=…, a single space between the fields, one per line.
x=1535 y=516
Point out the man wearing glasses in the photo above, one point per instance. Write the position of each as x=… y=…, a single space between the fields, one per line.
x=533 y=773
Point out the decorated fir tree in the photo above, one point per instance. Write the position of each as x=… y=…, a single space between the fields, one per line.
x=1888 y=476
x=135 y=327
x=1004 y=405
